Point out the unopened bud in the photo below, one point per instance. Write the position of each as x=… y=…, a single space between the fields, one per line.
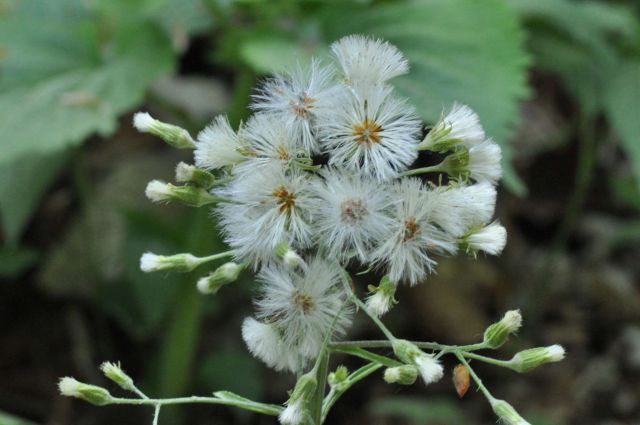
x=507 y=413
x=193 y=196
x=93 y=394
x=186 y=173
x=382 y=297
x=497 y=334
x=220 y=277
x=116 y=374
x=490 y=239
x=172 y=134
x=289 y=257
x=337 y=379
x=150 y=262
x=403 y=375
x=295 y=412
x=429 y=368
x=529 y=359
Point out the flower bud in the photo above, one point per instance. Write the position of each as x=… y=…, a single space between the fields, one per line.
x=460 y=127
x=490 y=239
x=337 y=379
x=507 y=413
x=430 y=369
x=221 y=276
x=172 y=134
x=186 y=173
x=382 y=297
x=480 y=163
x=497 y=334
x=403 y=375
x=93 y=394
x=192 y=196
x=527 y=360
x=150 y=262
x=289 y=257
x=295 y=412
x=116 y=374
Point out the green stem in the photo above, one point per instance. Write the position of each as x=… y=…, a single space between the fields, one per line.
x=218 y=256
x=475 y=377
x=381 y=343
x=438 y=168
x=354 y=298
x=368 y=355
x=355 y=377
x=495 y=362
x=320 y=389
x=267 y=409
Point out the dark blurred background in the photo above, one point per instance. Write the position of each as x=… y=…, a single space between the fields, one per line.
x=556 y=83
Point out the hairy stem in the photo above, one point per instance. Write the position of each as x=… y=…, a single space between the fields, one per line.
x=381 y=343
x=475 y=377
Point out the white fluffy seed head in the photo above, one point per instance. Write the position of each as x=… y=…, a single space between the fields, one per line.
x=351 y=214
x=369 y=132
x=459 y=208
x=302 y=304
x=294 y=97
x=218 y=145
x=270 y=207
x=365 y=60
x=512 y=320
x=143 y=122
x=410 y=240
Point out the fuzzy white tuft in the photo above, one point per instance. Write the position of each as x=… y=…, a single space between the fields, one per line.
x=459 y=208
x=556 y=353
x=143 y=122
x=484 y=162
x=294 y=413
x=430 y=369
x=69 y=387
x=150 y=262
x=490 y=239
x=218 y=145
x=158 y=191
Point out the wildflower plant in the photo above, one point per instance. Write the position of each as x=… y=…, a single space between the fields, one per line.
x=317 y=182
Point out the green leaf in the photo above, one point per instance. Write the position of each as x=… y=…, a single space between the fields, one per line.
x=622 y=105
x=22 y=184
x=13 y=262
x=576 y=41
x=460 y=50
x=8 y=419
x=71 y=75
x=273 y=53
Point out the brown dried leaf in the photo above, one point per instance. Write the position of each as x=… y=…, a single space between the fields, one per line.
x=461 y=380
